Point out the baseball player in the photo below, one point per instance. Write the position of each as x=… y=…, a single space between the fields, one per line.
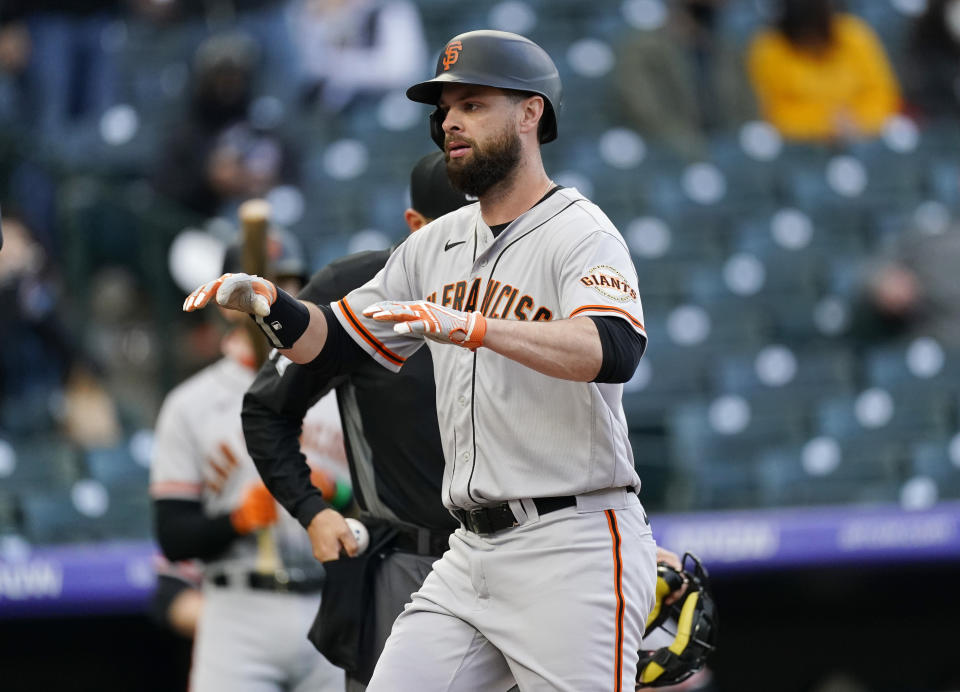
x=261 y=584
x=390 y=429
x=528 y=303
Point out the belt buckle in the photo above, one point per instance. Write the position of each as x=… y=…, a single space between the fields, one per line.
x=479 y=521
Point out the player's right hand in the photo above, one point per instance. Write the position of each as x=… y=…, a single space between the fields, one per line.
x=242 y=292
x=257 y=510
x=670 y=559
x=328 y=534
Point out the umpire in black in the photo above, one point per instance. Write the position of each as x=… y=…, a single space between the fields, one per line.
x=393 y=448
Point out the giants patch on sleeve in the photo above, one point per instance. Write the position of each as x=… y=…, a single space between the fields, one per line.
x=610 y=283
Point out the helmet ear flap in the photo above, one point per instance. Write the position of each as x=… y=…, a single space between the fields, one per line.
x=436 y=128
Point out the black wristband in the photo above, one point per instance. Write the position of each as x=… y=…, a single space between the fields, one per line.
x=287 y=321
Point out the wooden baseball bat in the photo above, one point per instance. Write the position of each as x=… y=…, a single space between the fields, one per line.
x=254 y=221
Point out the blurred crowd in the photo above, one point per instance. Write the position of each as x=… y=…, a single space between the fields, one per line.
x=127 y=122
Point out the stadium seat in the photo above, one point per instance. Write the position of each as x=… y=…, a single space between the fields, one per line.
x=41 y=462
x=657 y=477
x=883 y=416
x=826 y=471
x=918 y=365
x=9 y=513
x=807 y=320
x=943 y=181
x=728 y=430
x=115 y=466
x=53 y=517
x=662 y=381
x=939 y=459
x=799 y=376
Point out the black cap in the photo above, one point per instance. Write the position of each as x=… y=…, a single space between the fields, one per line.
x=431 y=193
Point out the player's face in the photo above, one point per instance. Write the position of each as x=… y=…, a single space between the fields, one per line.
x=482 y=145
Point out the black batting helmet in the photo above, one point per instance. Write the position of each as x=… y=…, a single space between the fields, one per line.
x=688 y=627
x=496 y=59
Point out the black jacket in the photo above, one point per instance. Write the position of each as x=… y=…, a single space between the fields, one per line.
x=389 y=422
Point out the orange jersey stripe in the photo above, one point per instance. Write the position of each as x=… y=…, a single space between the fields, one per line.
x=609 y=308
x=618 y=587
x=367 y=336
x=219 y=470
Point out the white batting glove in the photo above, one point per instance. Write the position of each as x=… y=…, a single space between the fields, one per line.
x=242 y=292
x=432 y=321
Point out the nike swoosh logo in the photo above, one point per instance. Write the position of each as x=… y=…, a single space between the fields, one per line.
x=450 y=245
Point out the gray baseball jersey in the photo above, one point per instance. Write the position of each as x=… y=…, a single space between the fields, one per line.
x=246 y=639
x=199 y=454
x=508 y=431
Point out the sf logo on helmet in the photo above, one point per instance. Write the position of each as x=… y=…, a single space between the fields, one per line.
x=452 y=54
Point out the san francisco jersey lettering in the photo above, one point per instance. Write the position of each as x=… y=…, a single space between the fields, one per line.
x=561 y=259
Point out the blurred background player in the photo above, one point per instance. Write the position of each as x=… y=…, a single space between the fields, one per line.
x=392 y=440
x=260 y=583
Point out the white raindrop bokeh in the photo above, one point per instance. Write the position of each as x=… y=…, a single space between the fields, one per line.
x=874 y=408
x=925 y=357
x=775 y=365
x=622 y=148
x=729 y=414
x=688 y=325
x=649 y=236
x=820 y=456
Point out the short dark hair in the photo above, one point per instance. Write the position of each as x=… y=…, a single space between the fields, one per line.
x=806 y=22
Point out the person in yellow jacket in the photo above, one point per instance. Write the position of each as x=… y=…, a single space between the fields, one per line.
x=822 y=75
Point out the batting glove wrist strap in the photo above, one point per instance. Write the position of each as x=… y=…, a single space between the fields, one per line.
x=286 y=322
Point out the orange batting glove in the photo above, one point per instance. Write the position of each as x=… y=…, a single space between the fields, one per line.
x=432 y=321
x=257 y=510
x=242 y=292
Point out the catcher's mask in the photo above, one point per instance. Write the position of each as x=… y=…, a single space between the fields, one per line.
x=687 y=627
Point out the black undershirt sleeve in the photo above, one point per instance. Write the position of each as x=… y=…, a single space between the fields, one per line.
x=185 y=532
x=340 y=353
x=622 y=348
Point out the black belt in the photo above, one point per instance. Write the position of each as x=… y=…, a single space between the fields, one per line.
x=490 y=519
x=281 y=582
x=420 y=541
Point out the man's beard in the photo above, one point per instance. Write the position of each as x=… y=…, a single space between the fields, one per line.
x=490 y=165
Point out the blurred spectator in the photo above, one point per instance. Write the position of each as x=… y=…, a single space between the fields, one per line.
x=913 y=290
x=350 y=48
x=65 y=51
x=822 y=75
x=219 y=155
x=45 y=379
x=932 y=63
x=35 y=351
x=681 y=82
x=15 y=48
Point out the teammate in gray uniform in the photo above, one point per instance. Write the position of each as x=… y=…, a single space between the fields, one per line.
x=261 y=585
x=528 y=303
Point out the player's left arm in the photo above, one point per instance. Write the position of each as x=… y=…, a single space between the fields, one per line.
x=602 y=338
x=566 y=349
